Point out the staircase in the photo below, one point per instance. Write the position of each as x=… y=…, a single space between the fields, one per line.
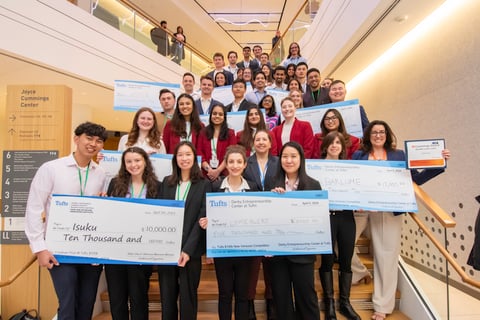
x=360 y=297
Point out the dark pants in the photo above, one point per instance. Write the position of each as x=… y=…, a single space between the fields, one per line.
x=128 y=282
x=255 y=268
x=342 y=226
x=76 y=287
x=176 y=281
x=286 y=275
x=232 y=278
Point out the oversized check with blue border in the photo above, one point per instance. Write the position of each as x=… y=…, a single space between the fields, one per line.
x=115 y=230
x=267 y=223
x=367 y=185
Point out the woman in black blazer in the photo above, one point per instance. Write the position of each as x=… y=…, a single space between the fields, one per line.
x=185 y=183
x=233 y=272
x=294 y=273
x=135 y=179
x=261 y=169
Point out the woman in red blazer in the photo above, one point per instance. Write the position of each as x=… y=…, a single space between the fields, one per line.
x=213 y=142
x=332 y=121
x=293 y=129
x=184 y=126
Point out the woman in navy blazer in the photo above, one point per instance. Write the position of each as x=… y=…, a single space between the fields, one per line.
x=293 y=129
x=185 y=183
x=379 y=143
x=294 y=273
x=261 y=169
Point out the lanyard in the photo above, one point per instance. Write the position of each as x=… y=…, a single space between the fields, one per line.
x=214 y=147
x=263 y=174
x=132 y=192
x=189 y=183
x=82 y=188
x=313 y=96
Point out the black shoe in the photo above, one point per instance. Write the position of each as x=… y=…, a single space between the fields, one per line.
x=251 y=310
x=346 y=309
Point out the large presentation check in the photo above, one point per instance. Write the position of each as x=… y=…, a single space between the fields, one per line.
x=367 y=185
x=267 y=223
x=115 y=230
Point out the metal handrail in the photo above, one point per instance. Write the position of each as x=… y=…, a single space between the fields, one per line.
x=443 y=218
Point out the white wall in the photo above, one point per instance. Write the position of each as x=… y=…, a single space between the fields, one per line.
x=430 y=90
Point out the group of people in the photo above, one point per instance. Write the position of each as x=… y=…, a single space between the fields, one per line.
x=174 y=48
x=267 y=155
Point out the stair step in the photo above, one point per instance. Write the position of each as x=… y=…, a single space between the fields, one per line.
x=364 y=314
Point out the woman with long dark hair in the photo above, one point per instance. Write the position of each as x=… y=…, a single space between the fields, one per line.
x=331 y=121
x=253 y=122
x=342 y=227
x=293 y=283
x=128 y=284
x=213 y=142
x=186 y=183
x=272 y=118
x=185 y=124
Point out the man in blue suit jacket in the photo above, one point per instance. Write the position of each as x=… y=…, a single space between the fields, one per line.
x=219 y=63
x=206 y=102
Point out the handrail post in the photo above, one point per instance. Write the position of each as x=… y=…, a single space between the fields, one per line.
x=447 y=279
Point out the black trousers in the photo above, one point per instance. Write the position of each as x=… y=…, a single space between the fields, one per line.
x=128 y=282
x=233 y=276
x=76 y=288
x=288 y=275
x=180 y=282
x=342 y=226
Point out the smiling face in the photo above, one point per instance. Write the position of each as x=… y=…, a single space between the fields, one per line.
x=220 y=79
x=378 y=136
x=235 y=164
x=206 y=86
x=267 y=103
x=313 y=80
x=253 y=117
x=188 y=83
x=134 y=163
x=217 y=116
x=297 y=98
x=218 y=62
x=337 y=92
x=290 y=160
x=331 y=121
x=185 y=157
x=334 y=149
x=238 y=90
x=259 y=81
x=247 y=75
x=294 y=84
x=301 y=72
x=288 y=109
x=87 y=146
x=232 y=58
x=185 y=106
x=262 y=142
x=145 y=121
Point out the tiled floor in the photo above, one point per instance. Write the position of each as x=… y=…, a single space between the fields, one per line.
x=462 y=306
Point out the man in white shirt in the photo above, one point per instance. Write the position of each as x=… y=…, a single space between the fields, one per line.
x=279 y=75
x=206 y=102
x=239 y=103
x=259 y=92
x=188 y=83
x=76 y=174
x=232 y=64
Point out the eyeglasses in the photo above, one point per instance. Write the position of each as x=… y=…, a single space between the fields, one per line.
x=377 y=133
x=332 y=118
x=267 y=101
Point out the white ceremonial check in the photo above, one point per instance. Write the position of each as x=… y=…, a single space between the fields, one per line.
x=267 y=223
x=115 y=230
x=365 y=185
x=132 y=95
x=350 y=111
